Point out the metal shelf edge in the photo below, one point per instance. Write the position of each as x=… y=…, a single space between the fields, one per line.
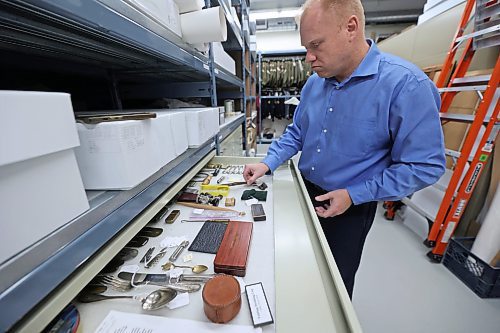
x=17 y=302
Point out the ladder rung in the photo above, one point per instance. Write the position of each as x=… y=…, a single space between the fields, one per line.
x=486 y=41
x=461 y=118
x=483 y=12
x=464 y=88
x=487 y=24
x=478 y=33
x=472 y=79
x=456 y=154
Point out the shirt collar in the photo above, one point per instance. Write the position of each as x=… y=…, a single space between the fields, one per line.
x=368 y=66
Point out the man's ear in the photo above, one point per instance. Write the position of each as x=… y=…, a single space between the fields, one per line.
x=352 y=26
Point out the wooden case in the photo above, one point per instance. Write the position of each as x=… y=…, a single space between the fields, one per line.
x=233 y=251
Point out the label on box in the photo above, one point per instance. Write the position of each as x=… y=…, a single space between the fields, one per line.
x=259 y=307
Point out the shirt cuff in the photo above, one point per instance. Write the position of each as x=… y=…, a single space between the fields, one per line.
x=359 y=193
x=272 y=162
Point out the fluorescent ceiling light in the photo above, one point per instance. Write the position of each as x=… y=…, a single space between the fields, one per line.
x=274 y=14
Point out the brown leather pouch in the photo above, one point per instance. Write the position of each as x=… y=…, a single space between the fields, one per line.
x=233 y=251
x=221 y=298
x=187 y=197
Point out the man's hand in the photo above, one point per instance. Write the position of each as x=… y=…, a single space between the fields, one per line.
x=253 y=172
x=340 y=201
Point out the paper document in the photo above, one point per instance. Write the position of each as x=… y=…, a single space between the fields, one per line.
x=121 y=322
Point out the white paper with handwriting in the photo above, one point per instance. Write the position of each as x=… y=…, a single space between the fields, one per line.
x=121 y=322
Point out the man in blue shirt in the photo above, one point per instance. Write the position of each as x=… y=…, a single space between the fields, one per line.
x=367 y=125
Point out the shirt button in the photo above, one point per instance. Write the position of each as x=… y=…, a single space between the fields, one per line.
x=330 y=109
x=337 y=87
x=324 y=131
x=312 y=168
x=319 y=150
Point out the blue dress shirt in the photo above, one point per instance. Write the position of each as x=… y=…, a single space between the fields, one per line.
x=376 y=134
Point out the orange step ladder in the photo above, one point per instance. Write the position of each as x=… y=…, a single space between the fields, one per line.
x=457 y=195
x=484 y=124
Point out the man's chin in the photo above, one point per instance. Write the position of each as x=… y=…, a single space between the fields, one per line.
x=321 y=73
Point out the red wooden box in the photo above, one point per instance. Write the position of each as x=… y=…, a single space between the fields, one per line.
x=232 y=255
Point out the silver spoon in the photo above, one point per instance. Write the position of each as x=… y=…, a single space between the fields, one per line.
x=153 y=301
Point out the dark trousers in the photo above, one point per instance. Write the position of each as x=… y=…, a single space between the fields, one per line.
x=346 y=234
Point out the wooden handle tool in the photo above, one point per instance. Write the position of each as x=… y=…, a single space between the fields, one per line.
x=208 y=207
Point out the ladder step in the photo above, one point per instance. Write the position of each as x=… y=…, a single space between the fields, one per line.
x=472 y=79
x=456 y=154
x=461 y=118
x=463 y=88
x=484 y=12
x=482 y=32
x=486 y=41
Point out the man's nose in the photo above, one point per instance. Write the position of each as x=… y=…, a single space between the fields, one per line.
x=310 y=57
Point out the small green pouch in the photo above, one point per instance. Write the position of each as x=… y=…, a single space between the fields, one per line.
x=249 y=194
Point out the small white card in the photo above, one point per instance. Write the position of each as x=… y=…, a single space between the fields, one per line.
x=250 y=202
x=170 y=241
x=259 y=307
x=181 y=299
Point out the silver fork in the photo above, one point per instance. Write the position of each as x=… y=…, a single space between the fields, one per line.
x=124 y=285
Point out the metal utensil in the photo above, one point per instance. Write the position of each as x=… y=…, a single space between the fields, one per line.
x=178 y=251
x=196 y=268
x=127 y=253
x=147 y=256
x=122 y=285
x=158 y=299
x=156 y=259
x=164 y=278
x=152 y=301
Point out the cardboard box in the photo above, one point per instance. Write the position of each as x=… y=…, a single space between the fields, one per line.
x=165 y=13
x=40 y=185
x=117 y=155
x=177 y=136
x=201 y=124
x=223 y=59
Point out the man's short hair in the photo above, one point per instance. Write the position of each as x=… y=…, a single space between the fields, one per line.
x=345 y=8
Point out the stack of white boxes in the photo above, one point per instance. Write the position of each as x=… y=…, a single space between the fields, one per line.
x=161 y=17
x=120 y=155
x=117 y=155
x=201 y=124
x=40 y=185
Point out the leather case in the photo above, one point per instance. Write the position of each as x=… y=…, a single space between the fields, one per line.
x=232 y=255
x=221 y=298
x=187 y=197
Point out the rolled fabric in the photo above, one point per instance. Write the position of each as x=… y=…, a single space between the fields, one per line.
x=186 y=6
x=487 y=243
x=204 y=26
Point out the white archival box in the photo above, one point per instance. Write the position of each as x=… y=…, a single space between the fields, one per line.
x=174 y=137
x=117 y=155
x=223 y=59
x=165 y=13
x=40 y=185
x=201 y=124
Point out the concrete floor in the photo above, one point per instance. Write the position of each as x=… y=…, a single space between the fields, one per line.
x=398 y=290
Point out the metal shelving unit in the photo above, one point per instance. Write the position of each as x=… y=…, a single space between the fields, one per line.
x=86 y=39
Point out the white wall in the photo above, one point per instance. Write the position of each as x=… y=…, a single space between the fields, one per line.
x=290 y=40
x=278 y=41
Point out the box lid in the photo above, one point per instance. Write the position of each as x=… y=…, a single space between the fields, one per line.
x=234 y=248
x=35 y=124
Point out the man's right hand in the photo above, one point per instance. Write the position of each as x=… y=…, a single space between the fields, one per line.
x=253 y=172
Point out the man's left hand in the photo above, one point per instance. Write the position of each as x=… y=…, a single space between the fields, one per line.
x=340 y=201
